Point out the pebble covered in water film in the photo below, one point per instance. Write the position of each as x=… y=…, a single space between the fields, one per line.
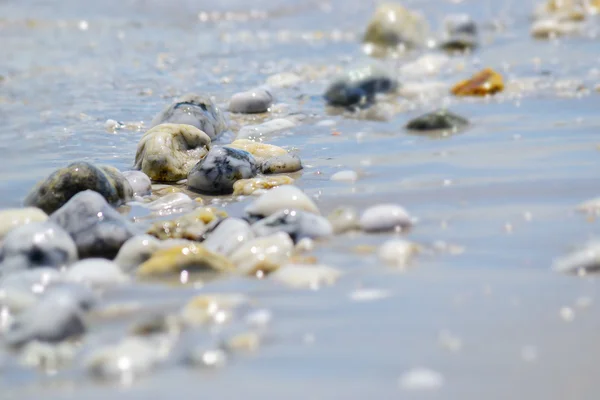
x=252 y=101
x=282 y=198
x=385 y=217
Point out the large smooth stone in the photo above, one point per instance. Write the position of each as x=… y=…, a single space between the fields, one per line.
x=191 y=226
x=97 y=229
x=39 y=244
x=258 y=185
x=266 y=129
x=228 y=235
x=220 y=169
x=174 y=260
x=168 y=152
x=139 y=182
x=281 y=198
x=306 y=276
x=57 y=316
x=263 y=255
x=14 y=217
x=396 y=27
x=436 y=121
x=96 y=272
x=385 y=217
x=195 y=110
x=297 y=224
x=358 y=87
x=252 y=101
x=53 y=192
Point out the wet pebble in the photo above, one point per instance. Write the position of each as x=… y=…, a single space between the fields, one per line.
x=385 y=217
x=168 y=152
x=423 y=91
x=460 y=33
x=39 y=244
x=230 y=234
x=47 y=356
x=139 y=249
x=345 y=176
x=20 y=289
x=212 y=308
x=437 y=120
x=191 y=226
x=483 y=83
x=14 y=217
x=53 y=192
x=220 y=169
x=252 y=101
x=258 y=185
x=358 y=87
x=174 y=260
x=196 y=110
x=96 y=272
x=298 y=224
x=281 y=198
x=171 y=201
x=140 y=182
x=426 y=65
x=266 y=129
x=263 y=255
x=397 y=252
x=97 y=229
x=394 y=26
x=305 y=276
x=580 y=261
x=343 y=219
x=281 y=164
x=552 y=27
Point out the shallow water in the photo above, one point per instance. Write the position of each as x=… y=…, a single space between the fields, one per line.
x=504 y=190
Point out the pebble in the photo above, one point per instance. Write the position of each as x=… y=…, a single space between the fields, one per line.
x=394 y=26
x=358 y=87
x=298 y=224
x=437 y=120
x=64 y=183
x=167 y=152
x=345 y=176
x=57 y=316
x=263 y=255
x=581 y=261
x=48 y=357
x=12 y=218
x=96 y=272
x=421 y=379
x=385 y=217
x=344 y=219
x=553 y=27
x=260 y=151
x=266 y=129
x=196 y=110
x=191 y=226
x=170 y=201
x=258 y=185
x=284 y=80
x=97 y=229
x=140 y=182
x=281 y=164
x=281 y=198
x=220 y=169
x=39 y=244
x=191 y=257
x=229 y=235
x=139 y=249
x=397 y=252
x=252 y=101
x=212 y=308
x=460 y=33
x=483 y=83
x=306 y=276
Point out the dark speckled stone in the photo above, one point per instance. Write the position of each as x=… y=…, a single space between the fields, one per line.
x=437 y=120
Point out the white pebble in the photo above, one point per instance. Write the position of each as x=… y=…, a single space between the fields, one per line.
x=282 y=198
x=96 y=272
x=345 y=176
x=306 y=276
x=397 y=252
x=385 y=217
x=253 y=101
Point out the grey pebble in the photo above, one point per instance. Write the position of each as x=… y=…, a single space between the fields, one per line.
x=228 y=235
x=281 y=164
x=297 y=224
x=252 y=101
x=438 y=120
x=358 y=87
x=139 y=182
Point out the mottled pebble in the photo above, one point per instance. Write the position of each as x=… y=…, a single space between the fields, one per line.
x=39 y=244
x=397 y=252
x=263 y=255
x=260 y=151
x=12 y=218
x=168 y=152
x=297 y=224
x=252 y=101
x=97 y=229
x=282 y=198
x=306 y=276
x=189 y=226
x=229 y=234
x=174 y=260
x=96 y=272
x=345 y=176
x=358 y=87
x=247 y=187
x=261 y=131
x=344 y=219
x=139 y=182
x=220 y=169
x=438 y=120
x=385 y=217
x=286 y=163
x=284 y=80
x=198 y=111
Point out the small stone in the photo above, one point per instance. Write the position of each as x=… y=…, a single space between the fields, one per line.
x=460 y=33
x=220 y=169
x=253 y=101
x=247 y=187
x=189 y=226
x=260 y=151
x=438 y=120
x=266 y=129
x=195 y=110
x=156 y=324
x=421 y=379
x=385 y=217
x=48 y=357
x=581 y=261
x=358 y=87
x=171 y=201
x=112 y=126
x=306 y=276
x=397 y=252
x=486 y=82
x=139 y=182
x=96 y=272
x=344 y=219
x=263 y=255
x=64 y=183
x=97 y=229
x=297 y=224
x=281 y=164
x=212 y=308
x=424 y=66
x=139 y=249
x=176 y=259
x=281 y=198
x=167 y=152
x=394 y=26
x=39 y=244
x=345 y=176
x=284 y=80
x=14 y=217
x=229 y=234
